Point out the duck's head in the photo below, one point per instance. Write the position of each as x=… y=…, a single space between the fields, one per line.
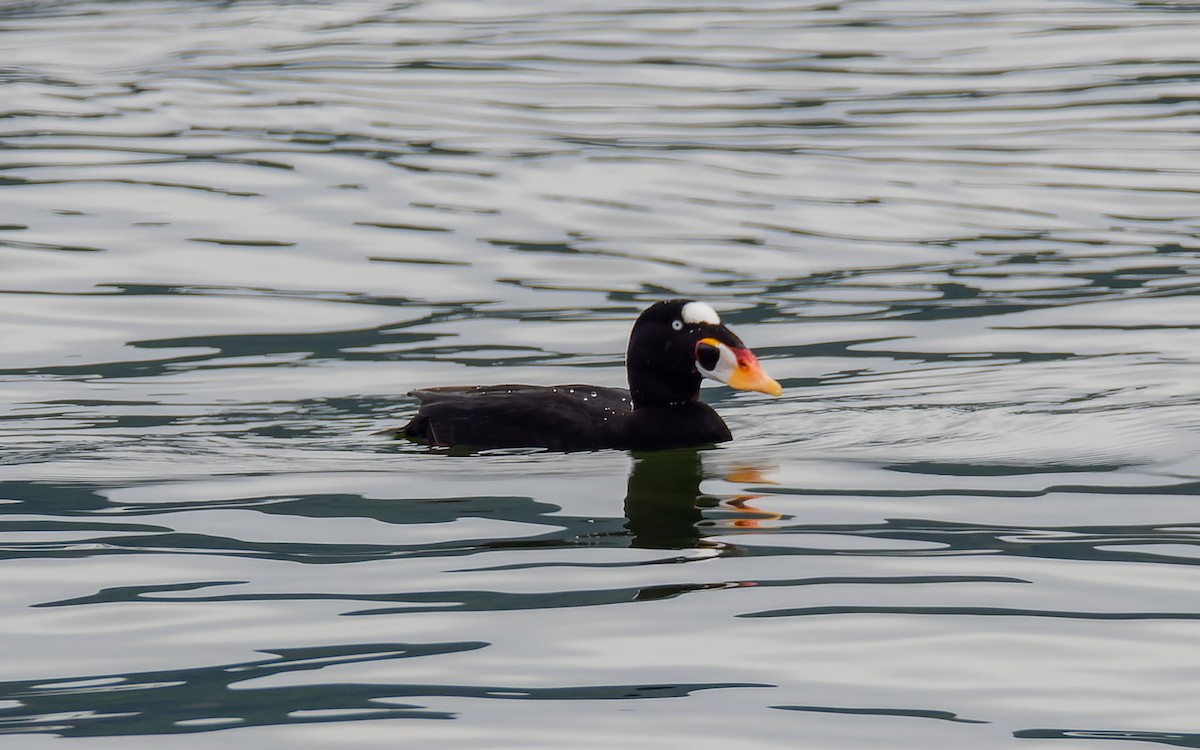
x=675 y=344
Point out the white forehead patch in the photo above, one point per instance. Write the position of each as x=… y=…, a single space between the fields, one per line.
x=700 y=312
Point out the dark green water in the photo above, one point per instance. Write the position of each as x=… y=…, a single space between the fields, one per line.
x=963 y=236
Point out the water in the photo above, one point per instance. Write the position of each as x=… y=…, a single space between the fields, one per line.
x=963 y=237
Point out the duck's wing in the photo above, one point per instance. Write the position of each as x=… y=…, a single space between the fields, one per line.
x=565 y=417
x=616 y=398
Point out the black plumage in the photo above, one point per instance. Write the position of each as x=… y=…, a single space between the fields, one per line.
x=673 y=345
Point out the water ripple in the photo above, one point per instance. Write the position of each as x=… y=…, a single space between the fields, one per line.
x=234 y=236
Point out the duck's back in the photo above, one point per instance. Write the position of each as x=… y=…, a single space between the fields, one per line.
x=563 y=417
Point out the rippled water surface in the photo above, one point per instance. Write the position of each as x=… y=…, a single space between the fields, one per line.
x=962 y=235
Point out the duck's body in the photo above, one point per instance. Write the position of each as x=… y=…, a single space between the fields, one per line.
x=561 y=417
x=673 y=345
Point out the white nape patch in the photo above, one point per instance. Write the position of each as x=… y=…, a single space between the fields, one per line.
x=700 y=312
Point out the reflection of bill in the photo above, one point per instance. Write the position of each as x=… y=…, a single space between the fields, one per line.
x=752 y=517
x=749 y=517
x=664 y=504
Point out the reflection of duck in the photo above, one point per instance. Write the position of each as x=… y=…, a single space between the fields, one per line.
x=673 y=346
x=663 y=501
x=749 y=517
x=662 y=498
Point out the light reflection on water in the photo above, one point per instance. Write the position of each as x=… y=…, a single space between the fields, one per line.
x=232 y=236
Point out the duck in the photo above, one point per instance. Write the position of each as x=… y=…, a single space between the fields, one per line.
x=674 y=345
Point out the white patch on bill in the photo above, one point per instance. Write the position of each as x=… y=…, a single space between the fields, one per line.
x=700 y=312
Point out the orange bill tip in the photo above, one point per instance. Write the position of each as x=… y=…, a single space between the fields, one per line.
x=750 y=375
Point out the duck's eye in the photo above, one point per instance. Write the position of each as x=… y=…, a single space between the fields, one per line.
x=707 y=356
x=677 y=325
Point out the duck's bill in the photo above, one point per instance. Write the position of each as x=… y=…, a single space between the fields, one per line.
x=750 y=376
x=737 y=368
